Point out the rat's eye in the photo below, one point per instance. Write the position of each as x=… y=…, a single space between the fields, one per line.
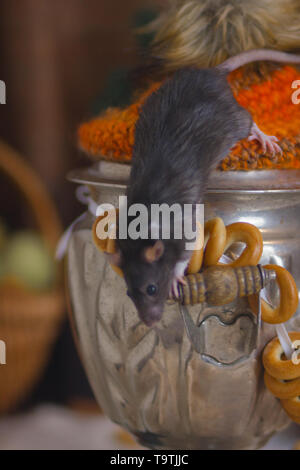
x=151 y=289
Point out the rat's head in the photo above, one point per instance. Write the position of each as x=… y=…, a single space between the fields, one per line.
x=148 y=276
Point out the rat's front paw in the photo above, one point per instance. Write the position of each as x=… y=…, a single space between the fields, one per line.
x=178 y=277
x=268 y=142
x=174 y=292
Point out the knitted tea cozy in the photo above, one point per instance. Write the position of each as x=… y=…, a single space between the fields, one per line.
x=267 y=96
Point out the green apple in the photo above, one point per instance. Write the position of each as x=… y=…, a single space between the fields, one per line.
x=27 y=258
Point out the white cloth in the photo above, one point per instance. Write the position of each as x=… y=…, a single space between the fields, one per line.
x=83 y=195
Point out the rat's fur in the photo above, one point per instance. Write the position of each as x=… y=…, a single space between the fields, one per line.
x=204 y=33
x=183 y=118
x=192 y=121
x=185 y=127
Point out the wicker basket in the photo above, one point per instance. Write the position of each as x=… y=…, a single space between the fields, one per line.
x=29 y=321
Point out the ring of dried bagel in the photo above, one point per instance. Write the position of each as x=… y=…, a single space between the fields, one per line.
x=282 y=376
x=196 y=260
x=218 y=239
x=276 y=364
x=288 y=298
x=292 y=408
x=251 y=236
x=108 y=244
x=282 y=388
x=214 y=241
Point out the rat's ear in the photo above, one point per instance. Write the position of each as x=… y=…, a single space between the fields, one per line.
x=154 y=253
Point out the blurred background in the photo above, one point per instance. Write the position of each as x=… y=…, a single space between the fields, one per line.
x=62 y=62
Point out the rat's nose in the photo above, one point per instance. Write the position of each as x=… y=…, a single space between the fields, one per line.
x=151 y=316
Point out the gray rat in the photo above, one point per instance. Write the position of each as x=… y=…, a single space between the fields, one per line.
x=184 y=130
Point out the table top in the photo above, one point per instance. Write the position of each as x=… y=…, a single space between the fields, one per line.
x=50 y=427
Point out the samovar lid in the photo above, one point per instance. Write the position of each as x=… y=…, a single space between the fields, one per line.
x=112 y=174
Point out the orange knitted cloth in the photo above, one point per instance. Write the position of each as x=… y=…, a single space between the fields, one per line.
x=269 y=100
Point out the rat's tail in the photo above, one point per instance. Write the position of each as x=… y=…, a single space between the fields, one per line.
x=255 y=55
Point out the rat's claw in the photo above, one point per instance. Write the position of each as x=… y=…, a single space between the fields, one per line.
x=175 y=290
x=182 y=281
x=268 y=142
x=277 y=148
x=272 y=146
x=178 y=278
